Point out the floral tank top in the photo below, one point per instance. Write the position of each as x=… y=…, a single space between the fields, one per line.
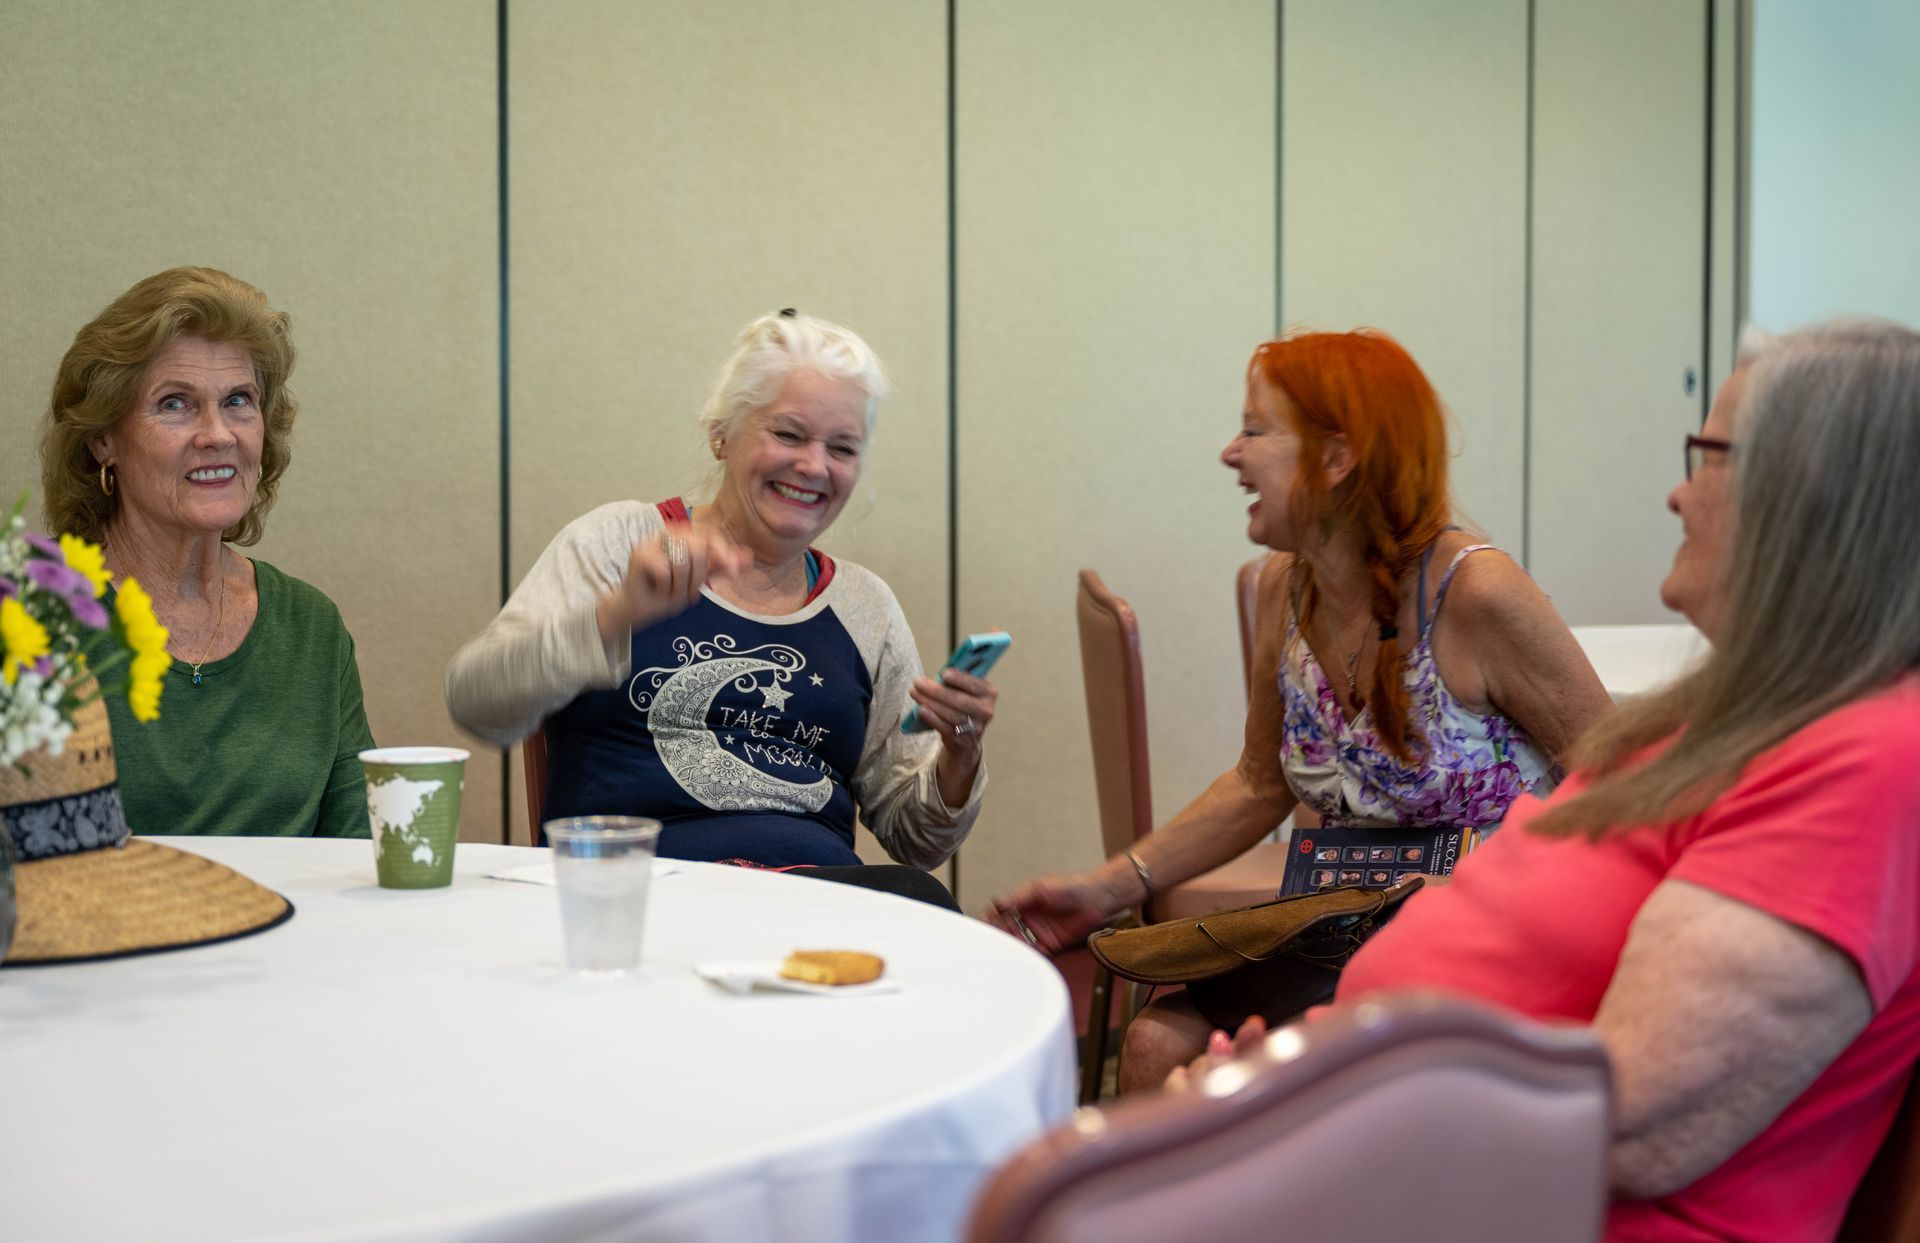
x=1472 y=766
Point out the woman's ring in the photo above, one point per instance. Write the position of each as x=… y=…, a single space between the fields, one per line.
x=676 y=549
x=964 y=727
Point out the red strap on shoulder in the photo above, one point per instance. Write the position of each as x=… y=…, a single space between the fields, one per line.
x=674 y=511
x=826 y=574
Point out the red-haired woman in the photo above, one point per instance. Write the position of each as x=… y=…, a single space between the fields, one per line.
x=1371 y=704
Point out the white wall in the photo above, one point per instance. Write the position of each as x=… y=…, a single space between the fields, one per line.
x=1836 y=160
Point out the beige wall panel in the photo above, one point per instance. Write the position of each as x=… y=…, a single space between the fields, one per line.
x=341 y=157
x=1115 y=168
x=680 y=167
x=1619 y=208
x=1403 y=207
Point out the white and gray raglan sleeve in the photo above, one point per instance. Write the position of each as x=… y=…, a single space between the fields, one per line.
x=544 y=648
x=897 y=782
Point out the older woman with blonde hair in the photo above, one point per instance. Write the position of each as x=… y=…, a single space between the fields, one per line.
x=165 y=442
x=711 y=667
x=1728 y=886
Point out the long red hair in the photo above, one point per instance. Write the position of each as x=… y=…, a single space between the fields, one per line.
x=1364 y=386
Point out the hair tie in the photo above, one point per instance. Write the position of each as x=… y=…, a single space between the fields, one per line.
x=787 y=312
x=1389 y=632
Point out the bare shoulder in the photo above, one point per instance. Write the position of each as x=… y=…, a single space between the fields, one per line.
x=1501 y=645
x=1491 y=599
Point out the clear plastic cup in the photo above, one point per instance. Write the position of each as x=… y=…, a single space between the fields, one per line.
x=602 y=865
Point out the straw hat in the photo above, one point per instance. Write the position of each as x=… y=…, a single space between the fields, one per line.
x=85 y=891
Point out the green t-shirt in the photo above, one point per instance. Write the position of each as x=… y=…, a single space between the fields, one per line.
x=268 y=744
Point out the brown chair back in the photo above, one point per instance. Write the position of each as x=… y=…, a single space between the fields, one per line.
x=1886 y=1208
x=1116 y=713
x=533 y=758
x=1405 y=1117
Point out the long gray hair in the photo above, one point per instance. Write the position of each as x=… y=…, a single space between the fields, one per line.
x=1821 y=583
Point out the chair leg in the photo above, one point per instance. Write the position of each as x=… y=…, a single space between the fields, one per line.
x=1093 y=1055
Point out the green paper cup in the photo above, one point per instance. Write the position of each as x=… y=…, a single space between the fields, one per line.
x=413 y=802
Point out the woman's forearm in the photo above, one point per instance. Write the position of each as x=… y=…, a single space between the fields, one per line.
x=955 y=776
x=1227 y=819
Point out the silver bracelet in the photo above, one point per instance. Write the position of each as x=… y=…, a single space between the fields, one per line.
x=1146 y=877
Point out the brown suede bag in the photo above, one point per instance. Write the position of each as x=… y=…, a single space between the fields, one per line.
x=1322 y=928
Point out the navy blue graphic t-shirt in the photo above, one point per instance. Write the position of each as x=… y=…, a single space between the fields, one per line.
x=738 y=734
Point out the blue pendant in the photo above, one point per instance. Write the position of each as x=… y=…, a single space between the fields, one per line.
x=196 y=677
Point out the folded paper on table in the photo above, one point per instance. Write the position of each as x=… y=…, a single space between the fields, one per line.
x=541 y=873
x=745 y=977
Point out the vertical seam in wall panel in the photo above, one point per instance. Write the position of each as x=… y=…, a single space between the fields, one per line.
x=1705 y=365
x=1526 y=327
x=1742 y=202
x=506 y=429
x=953 y=380
x=1279 y=154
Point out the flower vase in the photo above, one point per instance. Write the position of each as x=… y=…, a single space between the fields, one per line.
x=56 y=804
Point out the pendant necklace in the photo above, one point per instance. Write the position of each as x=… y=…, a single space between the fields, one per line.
x=1353 y=670
x=219 y=624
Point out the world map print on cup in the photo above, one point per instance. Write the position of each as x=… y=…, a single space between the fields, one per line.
x=413 y=803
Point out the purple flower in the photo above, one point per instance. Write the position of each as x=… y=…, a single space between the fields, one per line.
x=6 y=588
x=45 y=545
x=58 y=577
x=72 y=587
x=88 y=611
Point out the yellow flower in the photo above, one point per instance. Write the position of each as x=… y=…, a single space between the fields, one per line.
x=23 y=639
x=148 y=639
x=86 y=559
x=143 y=696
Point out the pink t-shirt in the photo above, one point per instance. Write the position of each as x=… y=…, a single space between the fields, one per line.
x=1823 y=832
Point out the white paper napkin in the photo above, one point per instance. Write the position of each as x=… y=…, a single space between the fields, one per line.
x=745 y=977
x=541 y=873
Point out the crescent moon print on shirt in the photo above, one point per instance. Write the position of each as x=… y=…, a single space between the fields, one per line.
x=679 y=701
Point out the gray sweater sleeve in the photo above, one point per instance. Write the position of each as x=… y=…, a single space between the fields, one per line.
x=544 y=648
x=897 y=782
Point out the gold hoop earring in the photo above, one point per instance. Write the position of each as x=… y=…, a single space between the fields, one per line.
x=106 y=481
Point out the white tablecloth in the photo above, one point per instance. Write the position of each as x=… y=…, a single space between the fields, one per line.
x=417 y=1065
x=1632 y=660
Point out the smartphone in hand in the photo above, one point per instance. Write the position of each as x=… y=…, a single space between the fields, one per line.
x=975 y=655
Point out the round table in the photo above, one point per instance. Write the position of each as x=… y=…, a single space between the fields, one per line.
x=394 y=1065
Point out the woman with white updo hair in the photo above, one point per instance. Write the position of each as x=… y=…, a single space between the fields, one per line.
x=709 y=667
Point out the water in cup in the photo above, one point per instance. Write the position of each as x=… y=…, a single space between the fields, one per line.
x=602 y=865
x=603 y=907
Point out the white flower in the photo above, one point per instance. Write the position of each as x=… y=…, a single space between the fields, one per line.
x=30 y=718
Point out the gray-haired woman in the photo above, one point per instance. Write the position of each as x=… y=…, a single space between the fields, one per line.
x=709 y=667
x=1728 y=887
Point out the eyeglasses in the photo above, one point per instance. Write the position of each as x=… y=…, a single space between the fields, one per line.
x=1699 y=446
